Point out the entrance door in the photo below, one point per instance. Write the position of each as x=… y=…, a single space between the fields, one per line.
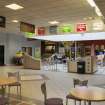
x=1 y=55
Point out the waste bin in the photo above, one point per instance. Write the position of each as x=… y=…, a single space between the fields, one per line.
x=81 y=67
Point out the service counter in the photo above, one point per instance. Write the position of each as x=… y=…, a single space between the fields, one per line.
x=83 y=65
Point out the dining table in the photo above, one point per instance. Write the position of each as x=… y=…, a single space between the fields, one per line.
x=89 y=94
x=4 y=81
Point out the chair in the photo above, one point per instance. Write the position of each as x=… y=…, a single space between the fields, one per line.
x=77 y=82
x=3 y=99
x=16 y=84
x=50 y=101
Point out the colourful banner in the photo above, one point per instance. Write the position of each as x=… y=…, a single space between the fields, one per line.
x=37 y=53
x=68 y=28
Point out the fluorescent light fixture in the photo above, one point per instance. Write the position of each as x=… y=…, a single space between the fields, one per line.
x=53 y=22
x=98 y=12
x=15 y=21
x=90 y=18
x=91 y=2
x=14 y=6
x=85 y=18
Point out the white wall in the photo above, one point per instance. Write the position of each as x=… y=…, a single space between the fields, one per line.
x=13 y=43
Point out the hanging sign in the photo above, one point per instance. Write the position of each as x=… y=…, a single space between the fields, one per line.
x=53 y=29
x=67 y=28
x=41 y=31
x=81 y=27
x=98 y=25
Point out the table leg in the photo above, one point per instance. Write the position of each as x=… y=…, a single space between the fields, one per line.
x=89 y=102
x=3 y=90
x=66 y=101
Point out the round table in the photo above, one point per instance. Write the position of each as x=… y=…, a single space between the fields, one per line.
x=88 y=93
x=5 y=81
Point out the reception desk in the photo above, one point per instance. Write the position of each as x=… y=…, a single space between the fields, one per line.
x=88 y=65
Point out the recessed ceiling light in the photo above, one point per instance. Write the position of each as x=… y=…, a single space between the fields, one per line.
x=85 y=18
x=14 y=6
x=53 y=22
x=98 y=12
x=15 y=21
x=90 y=18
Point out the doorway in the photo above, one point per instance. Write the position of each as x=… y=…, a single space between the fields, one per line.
x=1 y=55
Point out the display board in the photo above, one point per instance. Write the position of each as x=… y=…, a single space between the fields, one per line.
x=26 y=27
x=53 y=29
x=67 y=28
x=37 y=53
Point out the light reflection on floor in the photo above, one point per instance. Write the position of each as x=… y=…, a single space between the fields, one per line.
x=58 y=83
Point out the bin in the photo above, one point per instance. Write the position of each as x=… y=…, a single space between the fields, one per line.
x=81 y=67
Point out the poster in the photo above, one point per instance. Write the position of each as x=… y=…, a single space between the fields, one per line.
x=81 y=27
x=41 y=31
x=53 y=29
x=67 y=28
x=37 y=53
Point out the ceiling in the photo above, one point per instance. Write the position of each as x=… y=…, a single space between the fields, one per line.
x=40 y=12
x=101 y=5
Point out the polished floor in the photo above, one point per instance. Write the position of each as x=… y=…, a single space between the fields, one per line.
x=58 y=84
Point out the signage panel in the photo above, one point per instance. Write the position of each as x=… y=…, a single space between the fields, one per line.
x=41 y=30
x=53 y=29
x=81 y=27
x=26 y=27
